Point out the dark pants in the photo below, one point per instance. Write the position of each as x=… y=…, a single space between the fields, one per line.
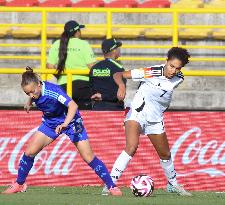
x=81 y=94
x=107 y=106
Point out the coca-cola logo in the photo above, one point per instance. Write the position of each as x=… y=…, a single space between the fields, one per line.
x=189 y=152
x=199 y=157
x=58 y=161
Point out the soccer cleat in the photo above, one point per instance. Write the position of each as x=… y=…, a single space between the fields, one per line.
x=15 y=188
x=177 y=189
x=115 y=191
x=105 y=191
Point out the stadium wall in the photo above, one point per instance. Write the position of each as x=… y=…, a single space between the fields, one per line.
x=196 y=141
x=205 y=93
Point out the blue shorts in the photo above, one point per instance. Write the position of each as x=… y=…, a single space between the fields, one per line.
x=75 y=131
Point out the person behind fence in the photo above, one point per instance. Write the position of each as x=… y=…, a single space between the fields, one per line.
x=70 y=52
x=60 y=116
x=145 y=116
x=106 y=93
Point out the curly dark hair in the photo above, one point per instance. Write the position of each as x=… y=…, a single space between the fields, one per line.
x=179 y=53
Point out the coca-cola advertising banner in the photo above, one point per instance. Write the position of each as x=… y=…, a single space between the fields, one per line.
x=197 y=141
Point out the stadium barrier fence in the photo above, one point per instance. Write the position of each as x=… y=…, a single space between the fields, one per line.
x=175 y=25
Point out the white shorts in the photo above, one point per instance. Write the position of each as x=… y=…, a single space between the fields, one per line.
x=146 y=126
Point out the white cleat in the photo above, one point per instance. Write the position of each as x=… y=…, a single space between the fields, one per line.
x=177 y=189
x=105 y=191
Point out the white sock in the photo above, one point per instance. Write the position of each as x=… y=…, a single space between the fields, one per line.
x=120 y=165
x=169 y=171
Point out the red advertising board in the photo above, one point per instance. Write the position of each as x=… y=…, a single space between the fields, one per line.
x=197 y=141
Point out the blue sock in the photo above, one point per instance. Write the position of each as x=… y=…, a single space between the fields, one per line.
x=26 y=163
x=100 y=169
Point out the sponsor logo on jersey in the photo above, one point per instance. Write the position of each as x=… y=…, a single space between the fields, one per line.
x=61 y=99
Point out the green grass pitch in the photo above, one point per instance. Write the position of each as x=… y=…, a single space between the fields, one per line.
x=92 y=196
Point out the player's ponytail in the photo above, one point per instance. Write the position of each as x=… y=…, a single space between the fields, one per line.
x=64 y=40
x=29 y=77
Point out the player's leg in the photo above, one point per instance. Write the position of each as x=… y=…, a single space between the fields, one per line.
x=38 y=141
x=80 y=139
x=132 y=130
x=161 y=146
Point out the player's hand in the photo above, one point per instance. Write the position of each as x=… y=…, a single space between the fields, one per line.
x=121 y=92
x=59 y=128
x=27 y=107
x=97 y=97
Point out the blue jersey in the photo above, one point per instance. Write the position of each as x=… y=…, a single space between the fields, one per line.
x=53 y=102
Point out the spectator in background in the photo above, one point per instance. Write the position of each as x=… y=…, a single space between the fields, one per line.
x=70 y=52
x=106 y=93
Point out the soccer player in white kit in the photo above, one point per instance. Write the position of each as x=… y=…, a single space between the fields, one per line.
x=146 y=113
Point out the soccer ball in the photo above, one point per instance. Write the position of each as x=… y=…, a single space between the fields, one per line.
x=142 y=185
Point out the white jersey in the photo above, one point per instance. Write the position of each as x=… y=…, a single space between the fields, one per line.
x=155 y=92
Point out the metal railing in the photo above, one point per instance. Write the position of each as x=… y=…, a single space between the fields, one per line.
x=109 y=12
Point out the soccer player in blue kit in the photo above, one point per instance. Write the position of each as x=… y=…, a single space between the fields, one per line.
x=60 y=116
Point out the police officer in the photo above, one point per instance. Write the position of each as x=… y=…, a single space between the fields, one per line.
x=105 y=90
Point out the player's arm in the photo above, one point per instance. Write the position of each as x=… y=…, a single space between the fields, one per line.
x=118 y=78
x=72 y=108
x=28 y=104
x=64 y=99
x=135 y=74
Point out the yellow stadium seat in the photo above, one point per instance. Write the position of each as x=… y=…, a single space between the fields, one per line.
x=158 y=33
x=26 y=32
x=4 y=31
x=219 y=34
x=216 y=1
x=190 y=1
x=216 y=5
x=54 y=32
x=188 y=4
x=93 y=33
x=194 y=33
x=130 y=33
